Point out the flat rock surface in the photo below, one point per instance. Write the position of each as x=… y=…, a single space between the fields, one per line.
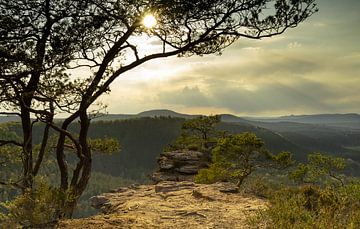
x=171 y=205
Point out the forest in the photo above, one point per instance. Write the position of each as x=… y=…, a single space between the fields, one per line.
x=60 y=61
x=142 y=139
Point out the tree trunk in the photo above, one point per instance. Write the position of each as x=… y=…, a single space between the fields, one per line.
x=79 y=183
x=27 y=149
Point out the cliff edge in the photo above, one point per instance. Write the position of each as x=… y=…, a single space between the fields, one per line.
x=171 y=204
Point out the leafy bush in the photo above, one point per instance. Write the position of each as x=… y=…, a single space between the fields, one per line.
x=186 y=142
x=312 y=207
x=258 y=186
x=235 y=157
x=320 y=169
x=324 y=199
x=32 y=208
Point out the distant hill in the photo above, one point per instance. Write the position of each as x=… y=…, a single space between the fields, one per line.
x=165 y=113
x=351 y=121
x=143 y=136
x=232 y=118
x=332 y=120
x=149 y=114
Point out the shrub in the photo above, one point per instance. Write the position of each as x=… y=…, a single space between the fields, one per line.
x=32 y=208
x=320 y=169
x=236 y=156
x=312 y=207
x=258 y=186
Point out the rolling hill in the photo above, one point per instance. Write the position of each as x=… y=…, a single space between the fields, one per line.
x=143 y=136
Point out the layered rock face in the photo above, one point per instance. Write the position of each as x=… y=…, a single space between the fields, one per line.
x=180 y=165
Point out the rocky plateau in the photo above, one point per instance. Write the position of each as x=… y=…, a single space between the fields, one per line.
x=171 y=204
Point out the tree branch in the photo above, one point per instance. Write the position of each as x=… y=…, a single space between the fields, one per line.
x=8 y=142
x=69 y=135
x=13 y=184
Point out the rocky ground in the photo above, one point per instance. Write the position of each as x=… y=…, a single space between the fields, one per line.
x=171 y=205
x=179 y=165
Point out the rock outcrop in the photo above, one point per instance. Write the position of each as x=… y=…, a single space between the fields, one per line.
x=180 y=165
x=171 y=205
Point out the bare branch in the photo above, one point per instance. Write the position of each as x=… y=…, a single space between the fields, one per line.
x=10 y=142
x=70 y=136
x=13 y=184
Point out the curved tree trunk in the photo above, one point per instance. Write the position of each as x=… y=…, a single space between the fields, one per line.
x=82 y=172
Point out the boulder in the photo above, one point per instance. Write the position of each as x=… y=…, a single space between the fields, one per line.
x=180 y=165
x=98 y=201
x=183 y=155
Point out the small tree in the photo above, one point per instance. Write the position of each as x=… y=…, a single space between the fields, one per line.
x=198 y=134
x=237 y=156
x=203 y=127
x=320 y=169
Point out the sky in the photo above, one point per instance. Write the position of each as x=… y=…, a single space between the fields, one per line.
x=312 y=69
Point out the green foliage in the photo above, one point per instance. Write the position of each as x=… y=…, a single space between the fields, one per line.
x=10 y=160
x=203 y=126
x=318 y=205
x=105 y=145
x=214 y=173
x=198 y=134
x=258 y=186
x=320 y=169
x=282 y=160
x=41 y=41
x=36 y=207
x=6 y=133
x=235 y=157
x=312 y=207
x=186 y=142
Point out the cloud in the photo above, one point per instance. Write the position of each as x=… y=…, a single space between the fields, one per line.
x=294 y=45
x=190 y=97
x=314 y=68
x=271 y=82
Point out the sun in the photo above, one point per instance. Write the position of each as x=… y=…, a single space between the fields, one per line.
x=149 y=21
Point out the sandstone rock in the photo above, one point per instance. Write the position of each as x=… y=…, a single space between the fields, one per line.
x=173 y=186
x=171 y=205
x=165 y=163
x=161 y=176
x=228 y=188
x=179 y=165
x=189 y=169
x=118 y=190
x=184 y=155
x=98 y=201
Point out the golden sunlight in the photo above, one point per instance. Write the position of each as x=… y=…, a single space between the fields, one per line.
x=149 y=21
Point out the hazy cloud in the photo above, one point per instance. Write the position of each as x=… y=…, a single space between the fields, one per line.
x=314 y=68
x=191 y=97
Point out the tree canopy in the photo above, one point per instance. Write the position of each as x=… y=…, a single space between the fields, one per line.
x=235 y=157
x=42 y=41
